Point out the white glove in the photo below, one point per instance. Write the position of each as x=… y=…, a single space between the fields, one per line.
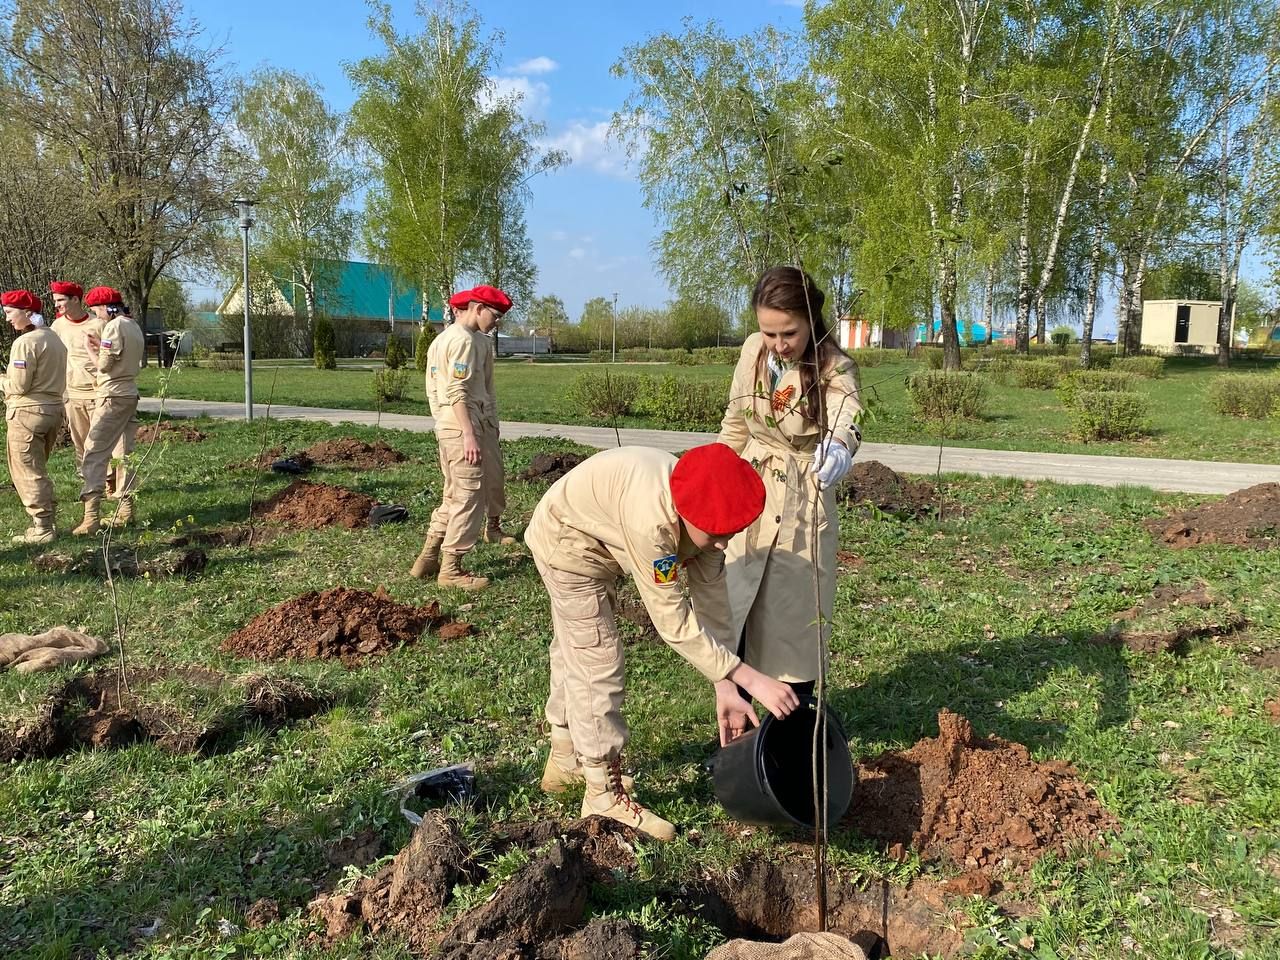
x=831 y=462
x=776 y=368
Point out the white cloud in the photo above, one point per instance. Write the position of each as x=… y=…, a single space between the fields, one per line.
x=534 y=67
x=589 y=145
x=577 y=253
x=534 y=95
x=559 y=236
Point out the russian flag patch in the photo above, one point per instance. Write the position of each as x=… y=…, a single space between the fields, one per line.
x=20 y=364
x=107 y=344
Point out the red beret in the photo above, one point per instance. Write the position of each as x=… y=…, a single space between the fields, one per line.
x=22 y=299
x=491 y=297
x=460 y=299
x=66 y=289
x=102 y=296
x=716 y=490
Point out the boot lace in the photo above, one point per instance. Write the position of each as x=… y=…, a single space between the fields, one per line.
x=620 y=794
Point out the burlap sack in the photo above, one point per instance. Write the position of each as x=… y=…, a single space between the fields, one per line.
x=803 y=946
x=56 y=647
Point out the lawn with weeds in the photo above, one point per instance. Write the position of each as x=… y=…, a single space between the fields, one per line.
x=1000 y=613
x=1184 y=426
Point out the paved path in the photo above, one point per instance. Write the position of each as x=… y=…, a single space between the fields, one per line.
x=1189 y=476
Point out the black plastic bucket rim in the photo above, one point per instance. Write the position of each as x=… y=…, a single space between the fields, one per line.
x=752 y=790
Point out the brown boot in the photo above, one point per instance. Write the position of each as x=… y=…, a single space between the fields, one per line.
x=563 y=769
x=452 y=574
x=92 y=521
x=428 y=563
x=36 y=534
x=494 y=533
x=606 y=797
x=123 y=516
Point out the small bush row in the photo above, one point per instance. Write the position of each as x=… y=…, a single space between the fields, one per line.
x=1149 y=368
x=1249 y=395
x=700 y=357
x=947 y=394
x=1094 y=381
x=1109 y=415
x=667 y=401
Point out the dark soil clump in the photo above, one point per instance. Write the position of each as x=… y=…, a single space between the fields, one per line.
x=1170 y=618
x=126 y=562
x=170 y=430
x=980 y=803
x=350 y=452
x=230 y=536
x=550 y=467
x=313 y=506
x=96 y=710
x=1246 y=518
x=336 y=624
x=1266 y=660
x=872 y=484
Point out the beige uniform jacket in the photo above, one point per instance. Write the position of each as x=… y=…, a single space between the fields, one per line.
x=119 y=358
x=770 y=566
x=37 y=372
x=612 y=516
x=82 y=368
x=460 y=370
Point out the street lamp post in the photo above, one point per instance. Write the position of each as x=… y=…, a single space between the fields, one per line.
x=245 y=206
x=615 y=329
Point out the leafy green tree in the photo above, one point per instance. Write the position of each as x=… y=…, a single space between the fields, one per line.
x=323 y=348
x=300 y=149
x=546 y=316
x=394 y=357
x=422 y=343
x=596 y=322
x=168 y=295
x=692 y=323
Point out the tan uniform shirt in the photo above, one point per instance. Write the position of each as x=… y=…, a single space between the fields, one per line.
x=776 y=556
x=613 y=515
x=459 y=365
x=37 y=373
x=82 y=368
x=120 y=358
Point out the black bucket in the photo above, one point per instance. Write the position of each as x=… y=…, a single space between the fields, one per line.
x=765 y=777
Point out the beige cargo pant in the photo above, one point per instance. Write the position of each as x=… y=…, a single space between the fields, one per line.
x=32 y=432
x=112 y=434
x=495 y=478
x=79 y=419
x=587 y=663
x=461 y=514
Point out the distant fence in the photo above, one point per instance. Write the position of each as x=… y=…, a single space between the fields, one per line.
x=509 y=346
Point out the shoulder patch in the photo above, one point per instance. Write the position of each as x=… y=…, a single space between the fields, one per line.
x=20 y=364
x=666 y=569
x=460 y=371
x=105 y=343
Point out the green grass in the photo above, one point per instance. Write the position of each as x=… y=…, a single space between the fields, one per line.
x=1017 y=419
x=988 y=614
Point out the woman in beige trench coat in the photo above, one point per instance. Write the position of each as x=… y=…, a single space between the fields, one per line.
x=790 y=380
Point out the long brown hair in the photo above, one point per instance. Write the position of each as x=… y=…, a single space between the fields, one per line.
x=793 y=291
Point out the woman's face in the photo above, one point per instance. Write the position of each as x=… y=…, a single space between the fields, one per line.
x=18 y=318
x=784 y=333
x=101 y=312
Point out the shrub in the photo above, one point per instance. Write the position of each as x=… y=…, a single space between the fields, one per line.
x=1038 y=374
x=322 y=345
x=1149 y=368
x=599 y=356
x=932 y=357
x=225 y=361
x=873 y=356
x=389 y=385
x=1093 y=381
x=1102 y=415
x=947 y=395
x=1061 y=336
x=422 y=345
x=1255 y=396
x=199 y=355
x=603 y=396
x=396 y=353
x=704 y=356
x=652 y=355
x=682 y=404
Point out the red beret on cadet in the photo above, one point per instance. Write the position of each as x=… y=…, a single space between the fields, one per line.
x=66 y=289
x=460 y=300
x=102 y=296
x=22 y=299
x=716 y=490
x=491 y=297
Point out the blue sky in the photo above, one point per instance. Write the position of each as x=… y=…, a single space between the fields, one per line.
x=591 y=233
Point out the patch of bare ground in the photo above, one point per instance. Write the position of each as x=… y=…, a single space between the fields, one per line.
x=1246 y=518
x=1171 y=618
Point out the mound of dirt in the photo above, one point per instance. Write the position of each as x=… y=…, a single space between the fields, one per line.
x=872 y=484
x=230 y=536
x=981 y=803
x=125 y=562
x=1246 y=518
x=550 y=467
x=1265 y=660
x=169 y=430
x=312 y=506
x=336 y=624
x=97 y=710
x=350 y=452
x=533 y=914
x=1170 y=618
